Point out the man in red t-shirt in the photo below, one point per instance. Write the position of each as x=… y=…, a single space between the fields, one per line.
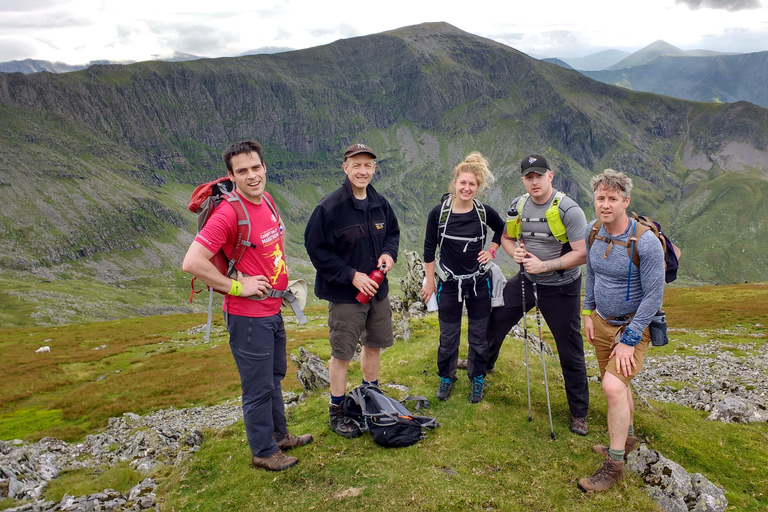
x=255 y=325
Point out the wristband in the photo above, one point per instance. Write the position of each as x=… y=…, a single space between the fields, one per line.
x=630 y=337
x=492 y=252
x=586 y=312
x=237 y=288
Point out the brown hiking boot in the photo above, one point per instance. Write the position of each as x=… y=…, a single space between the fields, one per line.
x=629 y=446
x=607 y=475
x=579 y=426
x=278 y=461
x=291 y=441
x=342 y=425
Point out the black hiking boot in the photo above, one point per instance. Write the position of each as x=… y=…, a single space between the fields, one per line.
x=341 y=424
x=478 y=389
x=445 y=388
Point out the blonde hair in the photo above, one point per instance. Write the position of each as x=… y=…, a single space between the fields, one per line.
x=612 y=180
x=476 y=164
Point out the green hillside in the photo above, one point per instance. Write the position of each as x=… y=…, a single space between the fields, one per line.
x=96 y=166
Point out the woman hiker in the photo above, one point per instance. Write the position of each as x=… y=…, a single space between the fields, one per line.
x=454 y=252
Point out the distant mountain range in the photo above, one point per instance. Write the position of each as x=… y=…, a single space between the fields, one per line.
x=698 y=75
x=27 y=66
x=96 y=165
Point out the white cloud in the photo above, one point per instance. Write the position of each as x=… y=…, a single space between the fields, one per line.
x=77 y=31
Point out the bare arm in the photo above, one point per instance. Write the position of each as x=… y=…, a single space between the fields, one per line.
x=577 y=256
x=197 y=262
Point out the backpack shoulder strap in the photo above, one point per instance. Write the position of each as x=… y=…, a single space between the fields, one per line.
x=243 y=235
x=481 y=213
x=442 y=222
x=593 y=232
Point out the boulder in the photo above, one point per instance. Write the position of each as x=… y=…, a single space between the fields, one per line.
x=733 y=409
x=671 y=486
x=312 y=371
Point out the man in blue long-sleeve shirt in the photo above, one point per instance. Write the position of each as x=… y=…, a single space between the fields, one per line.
x=620 y=300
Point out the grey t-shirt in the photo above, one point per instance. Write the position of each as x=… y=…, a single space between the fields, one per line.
x=547 y=247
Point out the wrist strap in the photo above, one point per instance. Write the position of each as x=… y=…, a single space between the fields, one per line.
x=237 y=288
x=586 y=312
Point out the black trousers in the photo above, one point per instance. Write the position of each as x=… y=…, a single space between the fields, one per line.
x=476 y=294
x=560 y=306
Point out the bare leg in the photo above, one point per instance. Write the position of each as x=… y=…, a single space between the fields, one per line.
x=337 y=373
x=620 y=409
x=370 y=358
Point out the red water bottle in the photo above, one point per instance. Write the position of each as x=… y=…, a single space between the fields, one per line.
x=378 y=276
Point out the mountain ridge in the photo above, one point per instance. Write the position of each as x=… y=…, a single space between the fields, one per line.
x=423 y=96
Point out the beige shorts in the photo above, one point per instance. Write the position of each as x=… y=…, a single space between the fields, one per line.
x=371 y=324
x=605 y=336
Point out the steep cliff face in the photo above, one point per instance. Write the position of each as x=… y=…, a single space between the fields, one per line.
x=94 y=163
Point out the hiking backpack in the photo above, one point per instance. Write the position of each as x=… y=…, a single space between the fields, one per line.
x=390 y=423
x=643 y=224
x=444 y=272
x=205 y=198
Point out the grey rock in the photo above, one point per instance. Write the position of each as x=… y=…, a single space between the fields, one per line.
x=312 y=371
x=733 y=409
x=670 y=485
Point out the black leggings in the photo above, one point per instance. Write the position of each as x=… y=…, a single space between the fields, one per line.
x=476 y=294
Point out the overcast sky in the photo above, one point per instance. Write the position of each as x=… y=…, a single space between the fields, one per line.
x=79 y=31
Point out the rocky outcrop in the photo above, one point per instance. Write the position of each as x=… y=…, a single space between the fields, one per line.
x=731 y=387
x=312 y=372
x=165 y=437
x=672 y=487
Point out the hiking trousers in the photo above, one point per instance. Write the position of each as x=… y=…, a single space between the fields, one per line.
x=476 y=294
x=560 y=307
x=258 y=346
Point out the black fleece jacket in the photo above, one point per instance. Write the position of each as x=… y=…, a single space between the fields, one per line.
x=342 y=237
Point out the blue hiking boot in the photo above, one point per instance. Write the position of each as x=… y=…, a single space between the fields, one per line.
x=445 y=388
x=478 y=389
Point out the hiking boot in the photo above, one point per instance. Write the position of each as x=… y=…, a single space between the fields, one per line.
x=445 y=388
x=478 y=389
x=278 y=461
x=608 y=474
x=291 y=441
x=342 y=425
x=629 y=446
x=579 y=426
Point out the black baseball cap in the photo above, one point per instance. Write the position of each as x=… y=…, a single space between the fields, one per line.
x=534 y=163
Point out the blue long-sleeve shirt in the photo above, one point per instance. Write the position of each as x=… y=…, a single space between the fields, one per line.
x=606 y=281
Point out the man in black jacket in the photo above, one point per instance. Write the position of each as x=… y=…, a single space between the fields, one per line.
x=352 y=232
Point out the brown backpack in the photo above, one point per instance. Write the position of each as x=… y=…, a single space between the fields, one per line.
x=643 y=224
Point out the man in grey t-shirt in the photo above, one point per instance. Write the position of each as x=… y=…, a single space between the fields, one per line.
x=549 y=249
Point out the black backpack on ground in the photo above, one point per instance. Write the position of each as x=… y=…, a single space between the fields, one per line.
x=389 y=422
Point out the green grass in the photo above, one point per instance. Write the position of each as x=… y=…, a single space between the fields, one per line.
x=482 y=457
x=120 y=477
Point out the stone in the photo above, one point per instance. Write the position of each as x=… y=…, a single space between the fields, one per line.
x=312 y=371
x=733 y=409
x=670 y=485
x=413 y=281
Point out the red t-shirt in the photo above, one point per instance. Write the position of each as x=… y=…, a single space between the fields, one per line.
x=265 y=258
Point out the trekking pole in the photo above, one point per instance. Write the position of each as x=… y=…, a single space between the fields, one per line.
x=525 y=335
x=543 y=364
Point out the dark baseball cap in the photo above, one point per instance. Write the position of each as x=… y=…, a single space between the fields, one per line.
x=356 y=149
x=534 y=163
